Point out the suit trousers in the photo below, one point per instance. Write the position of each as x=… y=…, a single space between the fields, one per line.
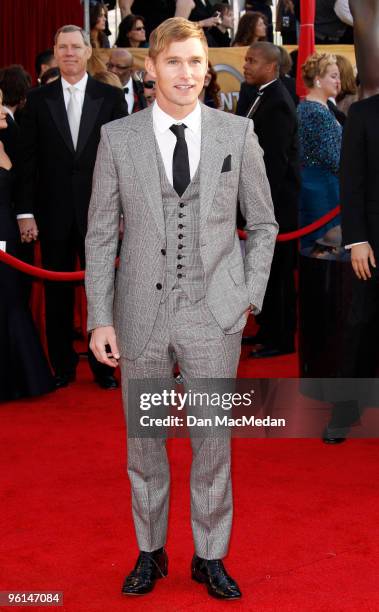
x=188 y=334
x=360 y=351
x=277 y=320
x=61 y=255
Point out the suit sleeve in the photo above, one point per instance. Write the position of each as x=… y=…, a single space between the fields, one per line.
x=120 y=108
x=26 y=160
x=353 y=179
x=275 y=141
x=261 y=227
x=102 y=237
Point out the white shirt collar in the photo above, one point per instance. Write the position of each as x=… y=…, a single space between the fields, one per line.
x=81 y=85
x=163 y=121
x=8 y=111
x=129 y=84
x=267 y=84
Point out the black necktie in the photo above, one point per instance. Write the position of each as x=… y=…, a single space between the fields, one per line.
x=180 y=162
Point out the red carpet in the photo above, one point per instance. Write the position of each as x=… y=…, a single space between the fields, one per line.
x=305 y=534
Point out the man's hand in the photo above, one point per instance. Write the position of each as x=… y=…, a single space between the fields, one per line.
x=28 y=229
x=247 y=313
x=361 y=256
x=103 y=337
x=210 y=22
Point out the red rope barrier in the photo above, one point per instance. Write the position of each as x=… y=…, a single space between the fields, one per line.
x=308 y=229
x=79 y=275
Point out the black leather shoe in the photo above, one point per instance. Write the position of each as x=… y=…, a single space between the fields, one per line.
x=330 y=438
x=64 y=379
x=268 y=351
x=149 y=567
x=107 y=382
x=212 y=573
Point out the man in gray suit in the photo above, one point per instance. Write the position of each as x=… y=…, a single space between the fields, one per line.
x=183 y=291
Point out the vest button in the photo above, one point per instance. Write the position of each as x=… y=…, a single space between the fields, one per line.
x=180 y=246
x=158 y=286
x=163 y=251
x=180 y=275
x=179 y=266
x=181 y=205
x=180 y=236
x=180 y=256
x=181 y=215
x=180 y=226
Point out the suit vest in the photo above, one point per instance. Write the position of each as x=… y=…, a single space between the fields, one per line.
x=184 y=267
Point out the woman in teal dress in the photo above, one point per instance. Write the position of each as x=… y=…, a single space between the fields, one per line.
x=320 y=144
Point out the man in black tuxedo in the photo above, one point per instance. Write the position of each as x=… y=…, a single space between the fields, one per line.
x=120 y=63
x=360 y=233
x=359 y=180
x=275 y=122
x=60 y=132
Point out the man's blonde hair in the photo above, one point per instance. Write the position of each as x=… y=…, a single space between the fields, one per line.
x=173 y=30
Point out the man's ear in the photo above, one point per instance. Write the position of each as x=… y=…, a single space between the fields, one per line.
x=89 y=52
x=150 y=66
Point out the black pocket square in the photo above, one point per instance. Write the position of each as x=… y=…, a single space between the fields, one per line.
x=227 y=165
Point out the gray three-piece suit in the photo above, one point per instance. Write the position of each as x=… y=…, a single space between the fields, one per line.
x=180 y=292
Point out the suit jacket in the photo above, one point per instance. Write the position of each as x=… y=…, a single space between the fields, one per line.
x=359 y=174
x=55 y=179
x=9 y=138
x=276 y=125
x=228 y=143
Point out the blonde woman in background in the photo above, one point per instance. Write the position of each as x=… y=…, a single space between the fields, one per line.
x=320 y=143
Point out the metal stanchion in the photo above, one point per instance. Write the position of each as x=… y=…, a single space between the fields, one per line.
x=86 y=16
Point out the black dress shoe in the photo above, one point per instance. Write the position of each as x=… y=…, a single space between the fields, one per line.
x=107 y=382
x=212 y=573
x=331 y=438
x=270 y=351
x=64 y=379
x=149 y=567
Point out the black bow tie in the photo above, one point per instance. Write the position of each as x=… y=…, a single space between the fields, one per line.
x=126 y=90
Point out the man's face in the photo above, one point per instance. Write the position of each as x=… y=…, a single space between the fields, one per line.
x=120 y=63
x=256 y=69
x=179 y=72
x=52 y=63
x=72 y=55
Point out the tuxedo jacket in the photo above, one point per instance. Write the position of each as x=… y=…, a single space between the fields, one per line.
x=276 y=125
x=231 y=168
x=359 y=174
x=55 y=179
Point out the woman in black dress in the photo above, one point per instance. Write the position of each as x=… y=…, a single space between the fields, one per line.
x=24 y=370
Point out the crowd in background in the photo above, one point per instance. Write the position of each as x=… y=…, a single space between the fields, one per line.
x=312 y=141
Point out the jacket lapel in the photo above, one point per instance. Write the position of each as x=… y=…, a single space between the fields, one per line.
x=91 y=107
x=213 y=150
x=143 y=153
x=56 y=105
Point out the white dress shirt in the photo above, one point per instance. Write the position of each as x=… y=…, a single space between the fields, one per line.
x=81 y=90
x=167 y=140
x=129 y=97
x=80 y=86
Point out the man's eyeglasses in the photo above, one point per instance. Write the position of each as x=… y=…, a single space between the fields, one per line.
x=149 y=84
x=110 y=65
x=139 y=29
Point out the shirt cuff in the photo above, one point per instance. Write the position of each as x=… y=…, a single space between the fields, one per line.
x=348 y=246
x=25 y=216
